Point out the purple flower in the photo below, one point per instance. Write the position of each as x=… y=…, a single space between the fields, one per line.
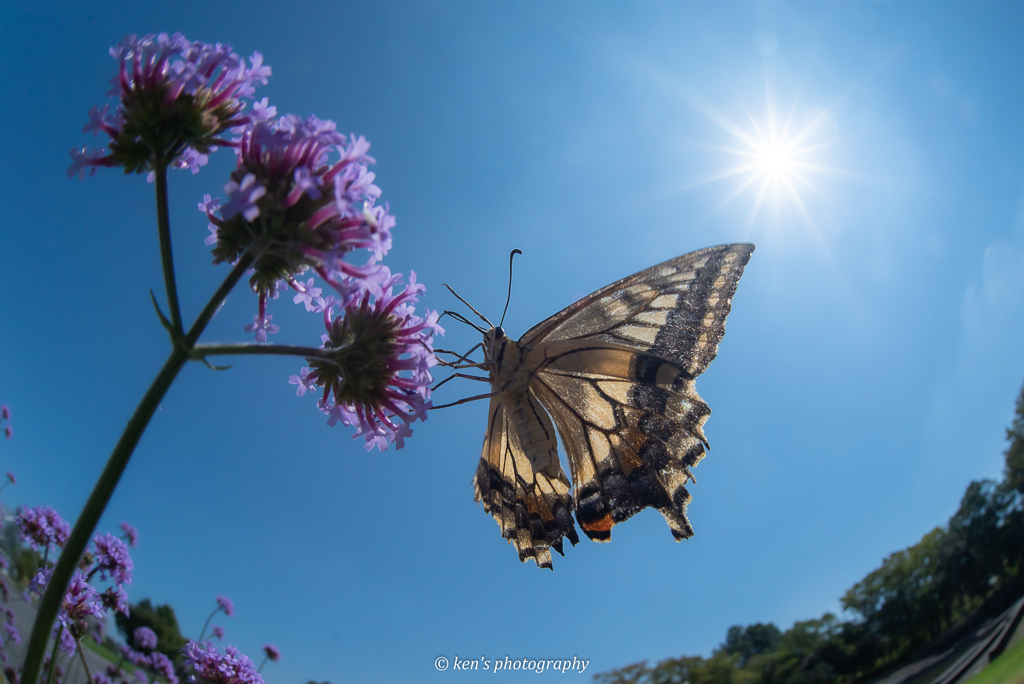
x=163 y=666
x=67 y=642
x=111 y=556
x=218 y=632
x=11 y=627
x=81 y=601
x=294 y=208
x=272 y=653
x=226 y=605
x=10 y=476
x=261 y=324
x=42 y=527
x=210 y=666
x=5 y=412
x=141 y=677
x=145 y=638
x=130 y=533
x=175 y=96
x=368 y=349
x=115 y=599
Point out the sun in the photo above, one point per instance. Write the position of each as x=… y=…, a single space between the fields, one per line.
x=777 y=159
x=774 y=159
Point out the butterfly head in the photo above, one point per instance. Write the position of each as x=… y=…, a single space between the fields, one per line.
x=494 y=339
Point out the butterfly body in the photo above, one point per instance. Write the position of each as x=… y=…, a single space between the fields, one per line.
x=614 y=373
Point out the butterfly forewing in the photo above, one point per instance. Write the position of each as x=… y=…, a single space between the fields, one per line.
x=676 y=310
x=616 y=371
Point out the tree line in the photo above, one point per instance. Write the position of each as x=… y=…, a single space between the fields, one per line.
x=921 y=598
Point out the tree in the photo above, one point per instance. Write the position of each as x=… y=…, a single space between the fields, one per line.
x=160 y=619
x=751 y=640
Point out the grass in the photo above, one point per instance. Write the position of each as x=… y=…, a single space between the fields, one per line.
x=1008 y=668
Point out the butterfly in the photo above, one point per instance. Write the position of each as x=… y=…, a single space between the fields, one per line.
x=614 y=373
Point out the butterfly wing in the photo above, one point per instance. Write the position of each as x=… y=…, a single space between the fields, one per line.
x=616 y=371
x=520 y=481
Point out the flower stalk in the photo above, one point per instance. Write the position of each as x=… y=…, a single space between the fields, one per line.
x=81 y=533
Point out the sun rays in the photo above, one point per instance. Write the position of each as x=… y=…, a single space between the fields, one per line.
x=776 y=160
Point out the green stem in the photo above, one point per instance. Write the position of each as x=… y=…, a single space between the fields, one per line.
x=207 y=624
x=202 y=350
x=53 y=656
x=104 y=488
x=92 y=511
x=81 y=654
x=163 y=220
x=237 y=271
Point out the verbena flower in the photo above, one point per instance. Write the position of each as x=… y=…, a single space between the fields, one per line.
x=217 y=631
x=144 y=637
x=226 y=605
x=10 y=476
x=81 y=600
x=272 y=652
x=163 y=666
x=42 y=527
x=377 y=377
x=175 y=96
x=131 y=535
x=115 y=599
x=112 y=558
x=300 y=198
x=67 y=642
x=5 y=415
x=208 y=665
x=10 y=627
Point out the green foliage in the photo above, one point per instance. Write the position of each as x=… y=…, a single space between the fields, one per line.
x=752 y=640
x=26 y=564
x=914 y=596
x=1013 y=475
x=160 y=619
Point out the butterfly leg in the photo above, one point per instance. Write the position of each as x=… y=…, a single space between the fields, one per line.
x=459 y=375
x=460 y=357
x=466 y=400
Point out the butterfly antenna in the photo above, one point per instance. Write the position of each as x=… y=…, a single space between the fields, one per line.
x=509 y=299
x=462 y=319
x=469 y=305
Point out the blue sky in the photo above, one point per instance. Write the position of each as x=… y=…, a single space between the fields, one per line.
x=869 y=369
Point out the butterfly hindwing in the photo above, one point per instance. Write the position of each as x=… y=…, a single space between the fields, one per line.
x=616 y=372
x=632 y=434
x=521 y=482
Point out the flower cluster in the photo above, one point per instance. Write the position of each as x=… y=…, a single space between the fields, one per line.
x=206 y=664
x=175 y=97
x=84 y=606
x=80 y=603
x=144 y=638
x=12 y=634
x=5 y=417
x=293 y=209
x=271 y=652
x=131 y=535
x=111 y=557
x=367 y=349
x=225 y=604
x=42 y=527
